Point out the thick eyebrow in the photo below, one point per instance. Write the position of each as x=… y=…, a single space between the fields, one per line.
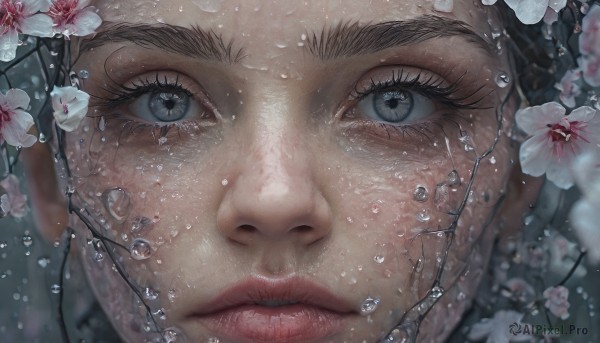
x=193 y=42
x=352 y=39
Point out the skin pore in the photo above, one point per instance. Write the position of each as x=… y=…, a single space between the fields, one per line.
x=274 y=162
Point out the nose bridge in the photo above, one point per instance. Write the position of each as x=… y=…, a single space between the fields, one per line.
x=274 y=194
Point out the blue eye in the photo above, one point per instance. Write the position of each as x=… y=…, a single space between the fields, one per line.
x=164 y=106
x=168 y=106
x=396 y=106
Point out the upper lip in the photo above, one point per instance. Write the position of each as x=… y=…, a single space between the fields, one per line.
x=257 y=290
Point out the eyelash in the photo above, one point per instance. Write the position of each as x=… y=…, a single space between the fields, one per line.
x=430 y=87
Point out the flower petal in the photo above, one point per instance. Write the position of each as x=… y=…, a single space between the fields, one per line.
x=535 y=155
x=584 y=218
x=16 y=98
x=531 y=12
x=37 y=25
x=86 y=22
x=557 y=5
x=586 y=170
x=583 y=113
x=34 y=6
x=8 y=45
x=532 y=119
x=560 y=173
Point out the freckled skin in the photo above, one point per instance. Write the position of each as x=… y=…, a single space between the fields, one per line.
x=289 y=162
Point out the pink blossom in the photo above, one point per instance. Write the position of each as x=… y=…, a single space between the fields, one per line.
x=21 y=16
x=518 y=289
x=16 y=205
x=70 y=105
x=74 y=17
x=532 y=11
x=568 y=89
x=14 y=121
x=557 y=301
x=589 y=45
x=585 y=216
x=556 y=140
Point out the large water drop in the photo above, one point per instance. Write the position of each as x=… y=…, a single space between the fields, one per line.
x=369 y=306
x=117 y=203
x=140 y=249
x=421 y=194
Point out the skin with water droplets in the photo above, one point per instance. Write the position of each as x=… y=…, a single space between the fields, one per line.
x=286 y=161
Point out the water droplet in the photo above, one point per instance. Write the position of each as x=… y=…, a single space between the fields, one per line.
x=172 y=295
x=375 y=208
x=170 y=335
x=43 y=261
x=3 y=244
x=349 y=220
x=98 y=257
x=117 y=203
x=369 y=306
x=502 y=80
x=160 y=313
x=162 y=140
x=210 y=6
x=424 y=215
x=27 y=240
x=141 y=225
x=140 y=249
x=493 y=160
x=102 y=124
x=84 y=74
x=466 y=140
x=436 y=292
x=224 y=182
x=55 y=289
x=379 y=258
x=303 y=37
x=150 y=294
x=213 y=340
x=42 y=138
x=284 y=76
x=421 y=194
x=453 y=178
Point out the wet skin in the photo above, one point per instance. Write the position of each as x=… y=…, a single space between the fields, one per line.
x=275 y=166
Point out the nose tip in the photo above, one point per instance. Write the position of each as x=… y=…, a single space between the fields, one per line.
x=276 y=210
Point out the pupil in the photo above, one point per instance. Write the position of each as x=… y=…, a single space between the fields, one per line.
x=169 y=104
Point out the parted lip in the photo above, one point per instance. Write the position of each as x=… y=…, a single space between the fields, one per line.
x=261 y=291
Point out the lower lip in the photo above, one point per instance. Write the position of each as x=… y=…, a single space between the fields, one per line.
x=291 y=323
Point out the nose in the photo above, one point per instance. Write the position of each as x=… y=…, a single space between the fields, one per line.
x=275 y=195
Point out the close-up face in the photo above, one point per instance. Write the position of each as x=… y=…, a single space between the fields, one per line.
x=285 y=171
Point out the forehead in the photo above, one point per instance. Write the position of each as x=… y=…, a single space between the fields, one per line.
x=280 y=20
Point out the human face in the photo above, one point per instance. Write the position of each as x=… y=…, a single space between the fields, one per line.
x=324 y=158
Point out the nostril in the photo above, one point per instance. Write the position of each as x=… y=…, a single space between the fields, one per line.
x=247 y=228
x=302 y=228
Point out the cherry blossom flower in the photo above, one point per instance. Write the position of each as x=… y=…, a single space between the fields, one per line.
x=557 y=301
x=14 y=202
x=14 y=121
x=568 y=88
x=500 y=329
x=585 y=216
x=70 y=106
x=74 y=17
x=531 y=11
x=518 y=289
x=589 y=45
x=556 y=140
x=21 y=16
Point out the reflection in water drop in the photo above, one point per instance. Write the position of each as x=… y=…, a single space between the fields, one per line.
x=453 y=178
x=140 y=249
x=421 y=194
x=369 y=306
x=169 y=335
x=43 y=261
x=150 y=294
x=502 y=80
x=27 y=240
x=117 y=203
x=141 y=225
x=424 y=215
x=437 y=292
x=55 y=289
x=379 y=258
